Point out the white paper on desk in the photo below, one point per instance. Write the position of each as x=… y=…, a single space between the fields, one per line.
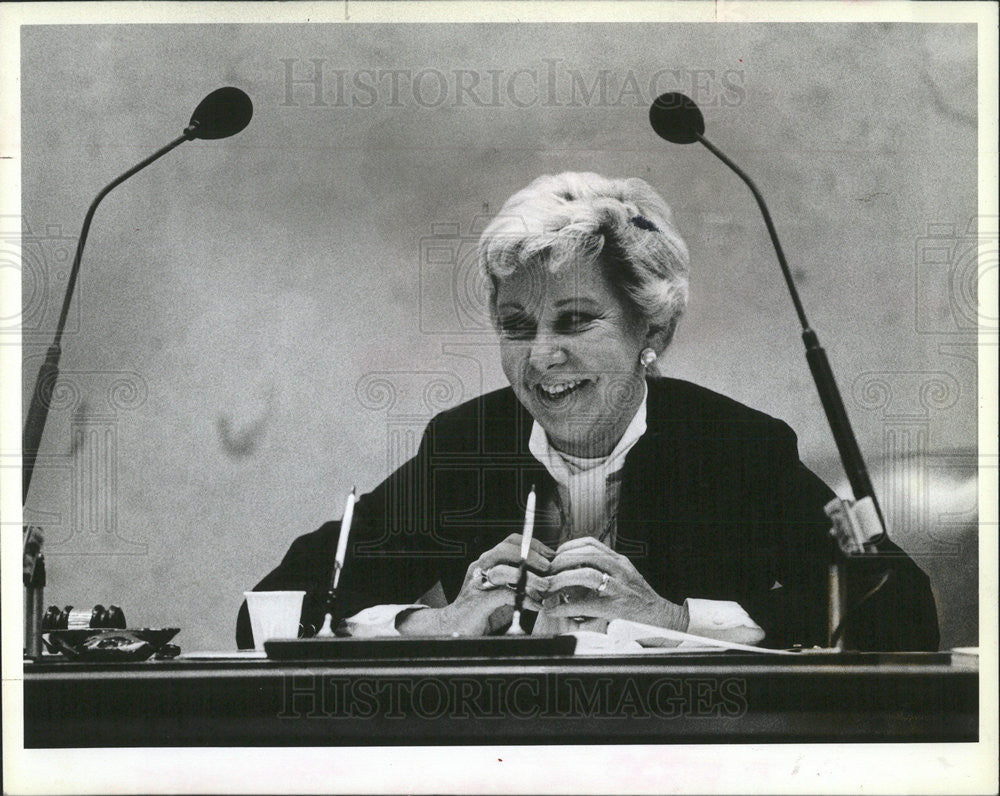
x=623 y=637
x=232 y=655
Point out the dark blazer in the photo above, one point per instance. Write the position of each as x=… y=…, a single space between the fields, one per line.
x=714 y=504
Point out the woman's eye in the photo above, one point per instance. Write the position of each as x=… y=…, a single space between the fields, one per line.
x=575 y=321
x=517 y=328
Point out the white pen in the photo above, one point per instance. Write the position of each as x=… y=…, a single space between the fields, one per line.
x=338 y=563
x=529 y=525
x=522 y=579
x=345 y=533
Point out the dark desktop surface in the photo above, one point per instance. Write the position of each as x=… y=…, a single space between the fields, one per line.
x=519 y=698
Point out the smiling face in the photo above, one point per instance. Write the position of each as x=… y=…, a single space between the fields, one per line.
x=570 y=346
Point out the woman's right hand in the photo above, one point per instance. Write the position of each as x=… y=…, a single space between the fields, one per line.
x=490 y=584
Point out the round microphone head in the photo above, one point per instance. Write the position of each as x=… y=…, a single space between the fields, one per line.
x=676 y=118
x=221 y=114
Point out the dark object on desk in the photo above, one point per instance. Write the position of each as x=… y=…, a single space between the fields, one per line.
x=167 y=652
x=34 y=591
x=70 y=618
x=109 y=645
x=419 y=648
x=33 y=539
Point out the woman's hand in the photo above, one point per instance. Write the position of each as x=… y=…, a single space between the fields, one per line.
x=589 y=579
x=489 y=586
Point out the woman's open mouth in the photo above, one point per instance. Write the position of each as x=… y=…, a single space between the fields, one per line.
x=556 y=393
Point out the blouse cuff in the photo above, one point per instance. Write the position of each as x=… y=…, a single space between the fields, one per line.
x=379 y=620
x=723 y=620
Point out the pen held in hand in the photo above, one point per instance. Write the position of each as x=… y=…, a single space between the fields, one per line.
x=529 y=527
x=522 y=578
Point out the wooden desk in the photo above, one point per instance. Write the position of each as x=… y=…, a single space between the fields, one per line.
x=669 y=699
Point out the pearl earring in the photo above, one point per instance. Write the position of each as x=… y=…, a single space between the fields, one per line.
x=647 y=357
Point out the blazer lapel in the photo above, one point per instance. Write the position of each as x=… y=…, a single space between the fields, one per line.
x=637 y=503
x=652 y=480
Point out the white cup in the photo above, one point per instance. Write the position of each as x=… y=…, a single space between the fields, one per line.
x=274 y=614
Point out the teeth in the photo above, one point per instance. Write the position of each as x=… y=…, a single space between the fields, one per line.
x=559 y=389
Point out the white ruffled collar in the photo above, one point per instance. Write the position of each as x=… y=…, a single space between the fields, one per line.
x=567 y=470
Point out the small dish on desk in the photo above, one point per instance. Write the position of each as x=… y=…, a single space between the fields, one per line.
x=109 y=644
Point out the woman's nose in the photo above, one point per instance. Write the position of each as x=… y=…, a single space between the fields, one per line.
x=545 y=352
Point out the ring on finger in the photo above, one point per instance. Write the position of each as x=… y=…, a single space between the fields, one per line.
x=605 y=577
x=482 y=579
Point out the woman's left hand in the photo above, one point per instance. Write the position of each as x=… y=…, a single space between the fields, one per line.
x=588 y=578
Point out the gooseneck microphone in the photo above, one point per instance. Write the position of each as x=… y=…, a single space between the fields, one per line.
x=676 y=118
x=224 y=112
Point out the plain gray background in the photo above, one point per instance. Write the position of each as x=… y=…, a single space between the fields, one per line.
x=266 y=320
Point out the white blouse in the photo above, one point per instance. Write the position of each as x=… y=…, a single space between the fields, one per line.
x=588 y=488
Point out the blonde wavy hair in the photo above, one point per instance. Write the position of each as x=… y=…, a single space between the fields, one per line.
x=578 y=216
